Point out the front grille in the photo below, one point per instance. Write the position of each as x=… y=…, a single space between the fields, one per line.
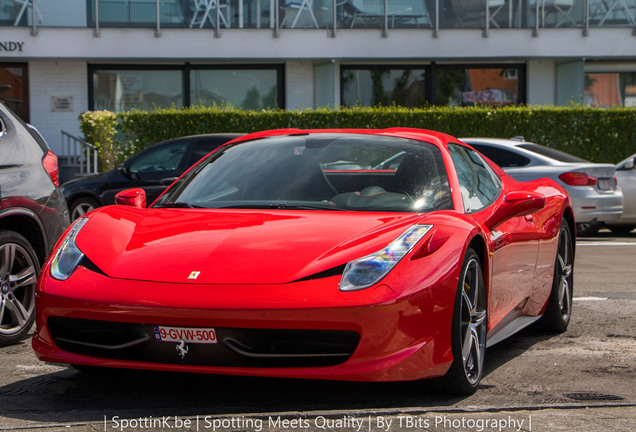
x=235 y=347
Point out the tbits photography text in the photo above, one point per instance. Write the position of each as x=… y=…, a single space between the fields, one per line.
x=433 y=422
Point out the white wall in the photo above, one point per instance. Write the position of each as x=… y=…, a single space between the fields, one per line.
x=57 y=79
x=299 y=85
x=541 y=79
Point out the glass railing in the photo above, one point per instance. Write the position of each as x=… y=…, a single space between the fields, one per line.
x=319 y=14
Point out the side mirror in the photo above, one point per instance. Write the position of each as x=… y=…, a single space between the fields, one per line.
x=131 y=197
x=515 y=204
x=629 y=165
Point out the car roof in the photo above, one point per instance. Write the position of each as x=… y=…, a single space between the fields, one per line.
x=426 y=135
x=219 y=135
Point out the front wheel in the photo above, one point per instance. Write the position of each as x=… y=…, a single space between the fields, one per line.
x=19 y=269
x=468 y=338
x=559 y=310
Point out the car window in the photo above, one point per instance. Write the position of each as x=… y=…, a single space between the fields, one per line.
x=163 y=158
x=479 y=185
x=357 y=172
x=200 y=149
x=551 y=153
x=502 y=157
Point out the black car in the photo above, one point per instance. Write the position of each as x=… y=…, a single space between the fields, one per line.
x=153 y=170
x=33 y=215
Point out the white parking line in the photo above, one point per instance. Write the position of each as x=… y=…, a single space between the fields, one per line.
x=588 y=243
x=589 y=298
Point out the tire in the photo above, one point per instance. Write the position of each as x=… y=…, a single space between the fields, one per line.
x=81 y=206
x=19 y=268
x=559 y=309
x=468 y=338
x=587 y=229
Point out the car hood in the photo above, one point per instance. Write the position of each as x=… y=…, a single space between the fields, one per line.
x=232 y=246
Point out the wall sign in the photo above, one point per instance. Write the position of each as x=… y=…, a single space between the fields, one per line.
x=11 y=46
x=62 y=103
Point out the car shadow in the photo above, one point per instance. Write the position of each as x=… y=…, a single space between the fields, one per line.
x=604 y=234
x=71 y=395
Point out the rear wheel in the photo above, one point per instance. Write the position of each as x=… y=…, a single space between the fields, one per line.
x=468 y=339
x=19 y=269
x=559 y=310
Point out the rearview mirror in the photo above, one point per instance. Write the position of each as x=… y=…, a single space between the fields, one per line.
x=515 y=204
x=132 y=197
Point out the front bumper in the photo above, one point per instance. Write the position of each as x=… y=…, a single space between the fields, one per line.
x=368 y=335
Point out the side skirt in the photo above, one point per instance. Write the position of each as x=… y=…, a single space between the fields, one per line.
x=510 y=329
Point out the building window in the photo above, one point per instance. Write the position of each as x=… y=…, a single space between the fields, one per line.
x=253 y=89
x=610 y=89
x=467 y=86
x=384 y=86
x=125 y=89
x=122 y=88
x=412 y=86
x=14 y=88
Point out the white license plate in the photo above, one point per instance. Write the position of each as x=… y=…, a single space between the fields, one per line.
x=606 y=184
x=186 y=334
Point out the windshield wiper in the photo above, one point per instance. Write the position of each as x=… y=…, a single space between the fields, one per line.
x=178 y=204
x=303 y=207
x=281 y=206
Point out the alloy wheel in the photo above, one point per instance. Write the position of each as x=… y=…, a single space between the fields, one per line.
x=473 y=321
x=564 y=274
x=81 y=209
x=18 y=275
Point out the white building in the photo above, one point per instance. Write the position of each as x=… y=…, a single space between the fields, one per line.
x=59 y=59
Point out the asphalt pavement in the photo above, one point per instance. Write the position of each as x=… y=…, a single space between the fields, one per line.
x=582 y=380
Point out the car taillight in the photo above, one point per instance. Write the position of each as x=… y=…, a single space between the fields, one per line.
x=50 y=166
x=578 y=179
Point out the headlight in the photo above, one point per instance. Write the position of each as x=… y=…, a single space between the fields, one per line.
x=367 y=271
x=68 y=256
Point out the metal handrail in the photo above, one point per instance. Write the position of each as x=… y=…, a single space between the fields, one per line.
x=434 y=16
x=80 y=153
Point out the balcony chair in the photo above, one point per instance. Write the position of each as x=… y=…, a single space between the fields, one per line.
x=203 y=12
x=557 y=8
x=370 y=13
x=602 y=10
x=24 y=6
x=295 y=9
x=468 y=11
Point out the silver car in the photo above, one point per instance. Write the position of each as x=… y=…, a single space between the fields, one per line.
x=626 y=176
x=592 y=187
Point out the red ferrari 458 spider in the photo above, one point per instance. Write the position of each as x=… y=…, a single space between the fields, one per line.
x=376 y=255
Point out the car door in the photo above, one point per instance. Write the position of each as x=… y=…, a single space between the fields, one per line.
x=626 y=175
x=515 y=245
x=152 y=170
x=158 y=168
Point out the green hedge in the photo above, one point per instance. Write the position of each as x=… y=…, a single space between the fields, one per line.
x=596 y=134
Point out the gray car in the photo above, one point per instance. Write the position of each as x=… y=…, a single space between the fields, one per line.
x=33 y=215
x=626 y=176
x=592 y=187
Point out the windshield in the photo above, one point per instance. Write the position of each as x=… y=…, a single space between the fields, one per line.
x=322 y=171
